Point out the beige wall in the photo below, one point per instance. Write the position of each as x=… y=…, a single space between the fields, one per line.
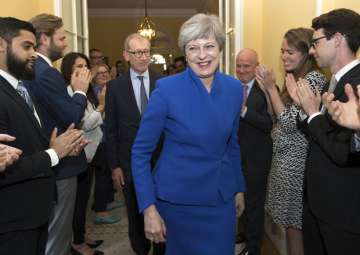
x=265 y=23
x=25 y=9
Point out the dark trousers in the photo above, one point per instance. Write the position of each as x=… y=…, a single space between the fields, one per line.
x=84 y=182
x=254 y=213
x=29 y=242
x=104 y=189
x=138 y=241
x=321 y=238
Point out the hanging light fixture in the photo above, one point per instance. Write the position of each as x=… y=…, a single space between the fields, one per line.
x=147 y=27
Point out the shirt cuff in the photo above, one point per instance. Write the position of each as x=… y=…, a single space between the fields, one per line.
x=243 y=113
x=53 y=157
x=313 y=116
x=80 y=92
x=356 y=140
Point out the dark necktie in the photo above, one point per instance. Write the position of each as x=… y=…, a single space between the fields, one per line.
x=143 y=97
x=21 y=89
x=246 y=91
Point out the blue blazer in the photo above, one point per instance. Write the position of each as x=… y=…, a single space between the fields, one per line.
x=201 y=154
x=57 y=109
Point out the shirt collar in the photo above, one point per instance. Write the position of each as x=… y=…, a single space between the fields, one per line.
x=11 y=79
x=250 y=84
x=45 y=58
x=339 y=74
x=134 y=74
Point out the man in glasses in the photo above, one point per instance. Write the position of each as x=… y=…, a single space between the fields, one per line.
x=331 y=205
x=96 y=57
x=126 y=100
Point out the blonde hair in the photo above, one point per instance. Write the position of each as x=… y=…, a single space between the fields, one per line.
x=46 y=24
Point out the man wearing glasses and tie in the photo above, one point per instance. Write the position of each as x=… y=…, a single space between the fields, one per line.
x=126 y=100
x=331 y=217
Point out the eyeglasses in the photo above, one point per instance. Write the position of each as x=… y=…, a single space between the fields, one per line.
x=195 y=50
x=101 y=73
x=314 y=42
x=140 y=53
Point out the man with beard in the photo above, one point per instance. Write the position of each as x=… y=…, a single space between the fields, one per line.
x=27 y=186
x=59 y=110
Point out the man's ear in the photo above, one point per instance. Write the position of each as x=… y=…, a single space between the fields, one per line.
x=3 y=45
x=44 y=40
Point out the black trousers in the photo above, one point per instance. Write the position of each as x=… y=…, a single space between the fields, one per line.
x=29 y=242
x=254 y=213
x=104 y=189
x=84 y=182
x=321 y=238
x=138 y=241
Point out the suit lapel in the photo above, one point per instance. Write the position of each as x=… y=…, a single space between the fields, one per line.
x=11 y=92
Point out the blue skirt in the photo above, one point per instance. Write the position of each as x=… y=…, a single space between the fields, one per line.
x=199 y=230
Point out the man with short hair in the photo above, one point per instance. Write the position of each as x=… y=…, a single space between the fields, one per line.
x=331 y=205
x=96 y=57
x=254 y=133
x=126 y=99
x=27 y=186
x=59 y=110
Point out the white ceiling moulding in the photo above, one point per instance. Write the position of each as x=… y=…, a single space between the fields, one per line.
x=123 y=12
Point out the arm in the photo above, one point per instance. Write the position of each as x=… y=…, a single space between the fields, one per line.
x=258 y=115
x=51 y=91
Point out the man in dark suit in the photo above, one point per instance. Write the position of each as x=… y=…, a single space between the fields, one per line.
x=331 y=204
x=27 y=186
x=59 y=110
x=254 y=134
x=126 y=99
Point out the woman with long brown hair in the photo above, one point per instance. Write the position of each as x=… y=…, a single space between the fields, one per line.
x=285 y=184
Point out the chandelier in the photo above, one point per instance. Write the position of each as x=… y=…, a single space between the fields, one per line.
x=147 y=28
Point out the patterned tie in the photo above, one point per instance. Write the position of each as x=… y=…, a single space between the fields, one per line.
x=331 y=89
x=246 y=88
x=21 y=89
x=143 y=97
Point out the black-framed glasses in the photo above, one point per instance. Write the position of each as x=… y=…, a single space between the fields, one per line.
x=139 y=53
x=314 y=41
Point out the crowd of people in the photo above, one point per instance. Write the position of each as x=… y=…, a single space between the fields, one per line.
x=191 y=152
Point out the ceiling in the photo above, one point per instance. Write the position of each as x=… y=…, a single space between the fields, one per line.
x=199 y=5
x=133 y=8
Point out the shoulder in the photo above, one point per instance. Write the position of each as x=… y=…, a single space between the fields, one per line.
x=315 y=78
x=118 y=82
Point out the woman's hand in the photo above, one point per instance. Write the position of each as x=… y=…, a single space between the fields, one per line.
x=155 y=229
x=265 y=78
x=239 y=203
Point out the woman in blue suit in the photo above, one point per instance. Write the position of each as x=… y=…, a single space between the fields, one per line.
x=191 y=198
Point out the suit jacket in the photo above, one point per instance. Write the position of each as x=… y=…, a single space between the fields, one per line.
x=332 y=171
x=59 y=110
x=254 y=134
x=122 y=121
x=200 y=157
x=26 y=187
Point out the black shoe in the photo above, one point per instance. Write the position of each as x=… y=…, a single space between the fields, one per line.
x=244 y=252
x=75 y=252
x=96 y=244
x=239 y=239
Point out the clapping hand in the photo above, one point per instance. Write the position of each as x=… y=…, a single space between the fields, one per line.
x=8 y=154
x=309 y=101
x=345 y=114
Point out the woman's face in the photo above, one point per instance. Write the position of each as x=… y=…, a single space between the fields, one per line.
x=203 y=56
x=79 y=64
x=102 y=76
x=290 y=56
